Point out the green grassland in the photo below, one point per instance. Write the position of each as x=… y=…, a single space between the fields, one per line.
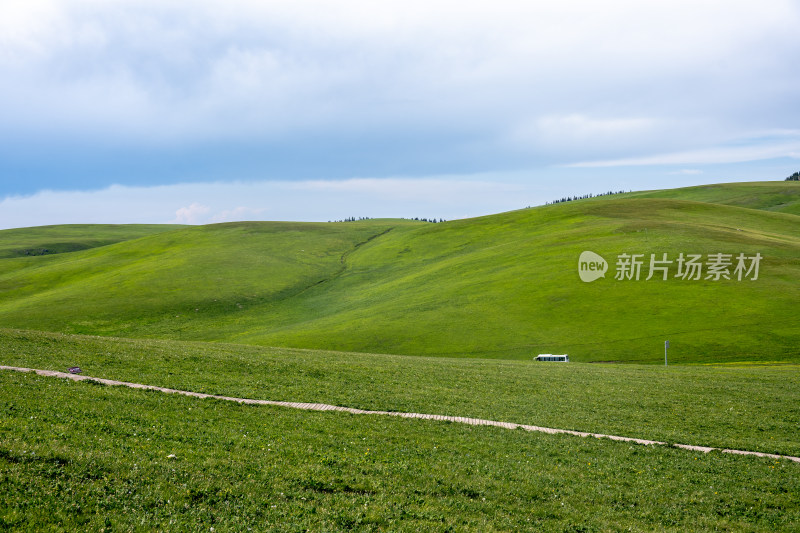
x=756 y=195
x=503 y=286
x=43 y=240
x=203 y=309
x=136 y=284
x=752 y=407
x=80 y=456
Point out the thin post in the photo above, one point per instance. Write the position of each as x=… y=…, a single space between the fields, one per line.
x=666 y=345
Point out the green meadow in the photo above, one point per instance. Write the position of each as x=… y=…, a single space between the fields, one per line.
x=44 y=240
x=756 y=195
x=669 y=404
x=82 y=456
x=503 y=286
x=408 y=316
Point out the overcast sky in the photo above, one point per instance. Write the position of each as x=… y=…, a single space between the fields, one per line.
x=205 y=111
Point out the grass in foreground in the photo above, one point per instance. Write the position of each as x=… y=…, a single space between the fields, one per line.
x=747 y=407
x=78 y=456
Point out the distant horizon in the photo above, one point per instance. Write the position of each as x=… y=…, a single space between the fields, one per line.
x=198 y=214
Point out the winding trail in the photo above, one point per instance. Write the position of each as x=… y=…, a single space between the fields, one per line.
x=326 y=407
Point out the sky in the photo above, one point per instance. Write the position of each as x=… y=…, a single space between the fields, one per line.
x=195 y=112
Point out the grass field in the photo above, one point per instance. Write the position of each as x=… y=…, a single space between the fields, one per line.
x=755 y=195
x=44 y=240
x=89 y=457
x=362 y=313
x=503 y=286
x=752 y=407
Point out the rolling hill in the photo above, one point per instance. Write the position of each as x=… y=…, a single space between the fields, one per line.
x=505 y=285
x=766 y=195
x=44 y=240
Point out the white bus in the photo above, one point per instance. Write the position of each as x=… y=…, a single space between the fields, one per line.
x=564 y=358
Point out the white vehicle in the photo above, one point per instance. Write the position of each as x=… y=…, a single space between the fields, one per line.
x=564 y=358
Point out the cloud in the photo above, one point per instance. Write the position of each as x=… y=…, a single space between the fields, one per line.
x=173 y=72
x=146 y=92
x=561 y=134
x=687 y=172
x=582 y=127
x=747 y=150
x=191 y=215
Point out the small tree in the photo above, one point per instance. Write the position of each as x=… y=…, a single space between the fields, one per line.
x=794 y=177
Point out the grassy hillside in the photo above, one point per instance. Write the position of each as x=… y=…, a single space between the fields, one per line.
x=766 y=195
x=148 y=283
x=79 y=456
x=44 y=240
x=505 y=285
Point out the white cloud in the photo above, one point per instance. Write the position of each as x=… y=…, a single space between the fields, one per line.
x=753 y=150
x=557 y=133
x=581 y=126
x=175 y=71
x=193 y=214
x=438 y=89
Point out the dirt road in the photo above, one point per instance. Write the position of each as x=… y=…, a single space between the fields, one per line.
x=326 y=407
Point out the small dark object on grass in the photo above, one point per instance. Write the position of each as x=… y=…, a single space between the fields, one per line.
x=75 y=370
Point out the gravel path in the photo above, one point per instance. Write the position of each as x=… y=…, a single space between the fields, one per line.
x=326 y=407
